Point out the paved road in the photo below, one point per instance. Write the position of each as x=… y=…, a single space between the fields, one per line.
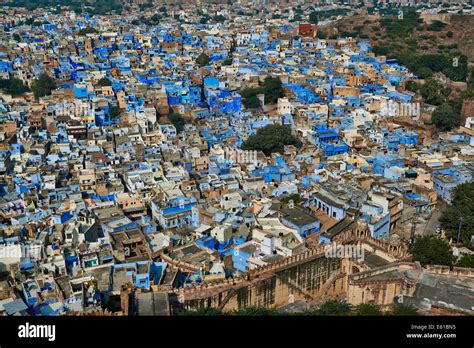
x=430 y=227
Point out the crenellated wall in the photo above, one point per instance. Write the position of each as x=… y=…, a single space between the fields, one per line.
x=270 y=288
x=309 y=276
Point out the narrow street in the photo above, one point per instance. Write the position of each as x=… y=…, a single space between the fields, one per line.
x=429 y=228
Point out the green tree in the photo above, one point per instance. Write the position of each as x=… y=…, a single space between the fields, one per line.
x=270 y=139
x=219 y=19
x=16 y=37
x=114 y=112
x=313 y=18
x=445 y=117
x=273 y=89
x=251 y=102
x=436 y=26
x=366 y=309
x=43 y=86
x=429 y=250
x=460 y=212
x=466 y=261
x=87 y=30
x=104 y=81
x=456 y=67
x=434 y=92
x=403 y=310
x=435 y=62
x=227 y=61
x=397 y=28
x=14 y=87
x=321 y=35
x=331 y=307
x=203 y=59
x=177 y=120
x=471 y=80
x=155 y=19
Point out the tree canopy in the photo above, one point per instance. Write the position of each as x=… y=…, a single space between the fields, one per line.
x=43 y=86
x=272 y=89
x=251 y=102
x=177 y=120
x=445 y=117
x=333 y=308
x=403 y=310
x=429 y=250
x=466 y=260
x=203 y=59
x=14 y=87
x=436 y=26
x=453 y=65
x=366 y=309
x=114 y=112
x=434 y=92
x=104 y=81
x=271 y=138
x=87 y=30
x=462 y=207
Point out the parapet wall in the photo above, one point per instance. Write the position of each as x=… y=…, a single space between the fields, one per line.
x=300 y=276
x=456 y=271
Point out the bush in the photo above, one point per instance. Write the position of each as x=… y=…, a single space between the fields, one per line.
x=436 y=26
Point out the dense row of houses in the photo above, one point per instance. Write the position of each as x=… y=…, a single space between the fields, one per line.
x=100 y=190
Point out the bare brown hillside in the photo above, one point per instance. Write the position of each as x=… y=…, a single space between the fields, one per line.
x=368 y=27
